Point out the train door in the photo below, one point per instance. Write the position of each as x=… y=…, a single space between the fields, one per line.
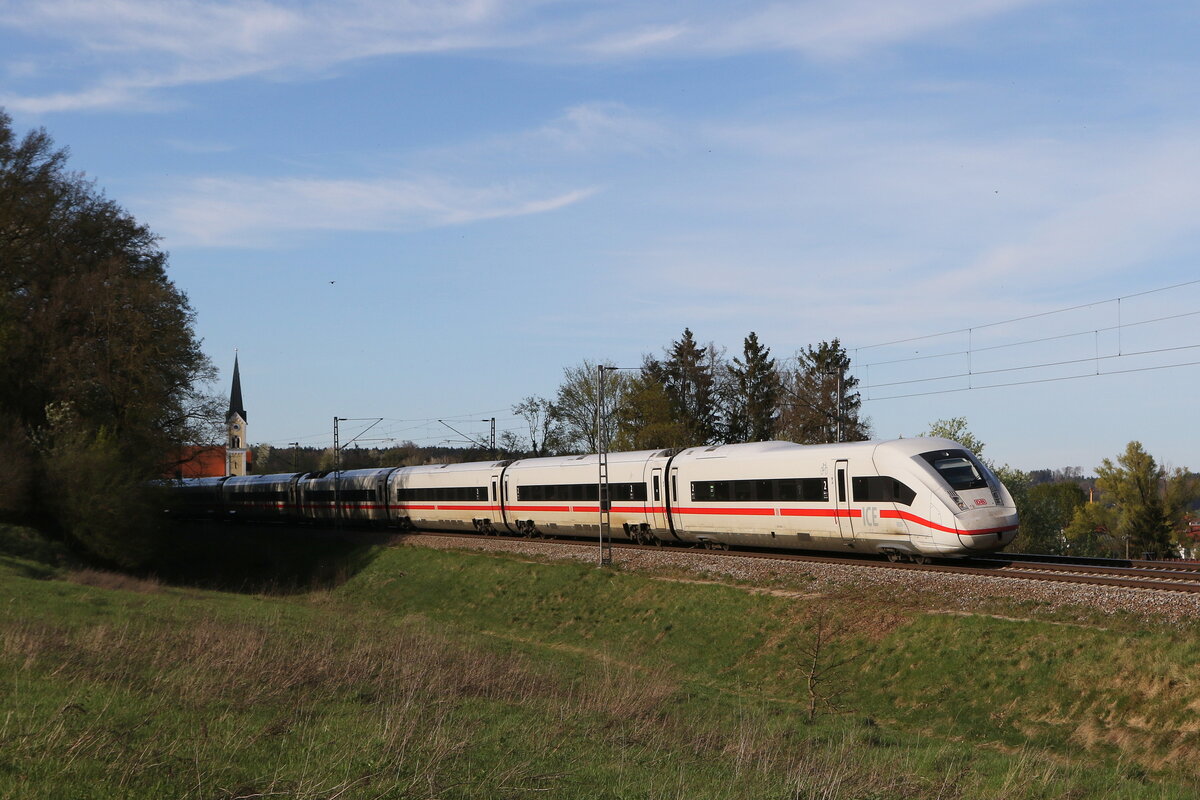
x=658 y=509
x=673 y=501
x=494 y=501
x=379 y=509
x=845 y=520
x=504 y=500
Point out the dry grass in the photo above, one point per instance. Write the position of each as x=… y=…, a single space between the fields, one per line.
x=175 y=705
x=102 y=579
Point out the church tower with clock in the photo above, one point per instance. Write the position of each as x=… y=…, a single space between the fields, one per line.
x=235 y=427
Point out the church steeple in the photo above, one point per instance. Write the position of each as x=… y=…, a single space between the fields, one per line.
x=236 y=406
x=235 y=427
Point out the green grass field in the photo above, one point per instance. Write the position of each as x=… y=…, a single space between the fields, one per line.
x=323 y=670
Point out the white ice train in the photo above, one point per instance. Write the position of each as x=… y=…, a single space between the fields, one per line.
x=907 y=499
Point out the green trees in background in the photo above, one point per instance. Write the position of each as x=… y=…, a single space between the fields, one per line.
x=99 y=366
x=693 y=396
x=822 y=401
x=1140 y=509
x=754 y=392
x=689 y=377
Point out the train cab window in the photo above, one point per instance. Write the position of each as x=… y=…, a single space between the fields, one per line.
x=957 y=468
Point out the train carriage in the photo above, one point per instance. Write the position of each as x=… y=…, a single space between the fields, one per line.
x=192 y=498
x=560 y=496
x=355 y=495
x=774 y=494
x=263 y=498
x=898 y=498
x=448 y=497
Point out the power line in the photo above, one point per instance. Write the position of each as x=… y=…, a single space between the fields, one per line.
x=1039 y=380
x=971 y=372
x=1030 y=316
x=1024 y=342
x=1068 y=362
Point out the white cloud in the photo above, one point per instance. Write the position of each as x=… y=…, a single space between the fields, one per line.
x=142 y=46
x=605 y=127
x=847 y=28
x=249 y=211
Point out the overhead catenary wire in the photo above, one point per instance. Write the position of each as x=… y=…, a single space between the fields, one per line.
x=972 y=374
x=1037 y=380
x=1028 y=317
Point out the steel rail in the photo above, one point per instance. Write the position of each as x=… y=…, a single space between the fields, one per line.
x=1119 y=577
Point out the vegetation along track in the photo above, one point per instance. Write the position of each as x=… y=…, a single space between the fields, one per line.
x=1159 y=576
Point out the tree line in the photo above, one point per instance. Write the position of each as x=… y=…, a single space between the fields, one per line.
x=1132 y=507
x=100 y=371
x=694 y=395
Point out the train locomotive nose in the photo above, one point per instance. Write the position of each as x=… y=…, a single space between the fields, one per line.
x=988 y=529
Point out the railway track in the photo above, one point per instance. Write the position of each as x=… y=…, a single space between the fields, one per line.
x=1157 y=576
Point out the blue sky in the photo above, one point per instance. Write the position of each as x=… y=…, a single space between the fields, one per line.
x=424 y=210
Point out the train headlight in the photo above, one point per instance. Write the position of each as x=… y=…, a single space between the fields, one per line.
x=961 y=505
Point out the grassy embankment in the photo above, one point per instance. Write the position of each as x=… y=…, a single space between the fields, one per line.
x=408 y=672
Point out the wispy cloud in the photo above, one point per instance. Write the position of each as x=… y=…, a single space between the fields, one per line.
x=127 y=51
x=244 y=211
x=604 y=127
x=882 y=217
x=847 y=28
x=143 y=46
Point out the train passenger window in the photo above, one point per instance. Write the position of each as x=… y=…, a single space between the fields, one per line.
x=814 y=490
x=882 y=489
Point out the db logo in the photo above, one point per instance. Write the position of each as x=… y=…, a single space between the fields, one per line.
x=981 y=502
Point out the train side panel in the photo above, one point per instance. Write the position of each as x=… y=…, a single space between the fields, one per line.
x=765 y=494
x=356 y=496
x=262 y=498
x=561 y=497
x=448 y=497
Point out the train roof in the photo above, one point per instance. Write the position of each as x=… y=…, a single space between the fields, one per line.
x=588 y=459
x=902 y=447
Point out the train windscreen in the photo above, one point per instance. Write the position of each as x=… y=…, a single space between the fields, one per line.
x=957 y=468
